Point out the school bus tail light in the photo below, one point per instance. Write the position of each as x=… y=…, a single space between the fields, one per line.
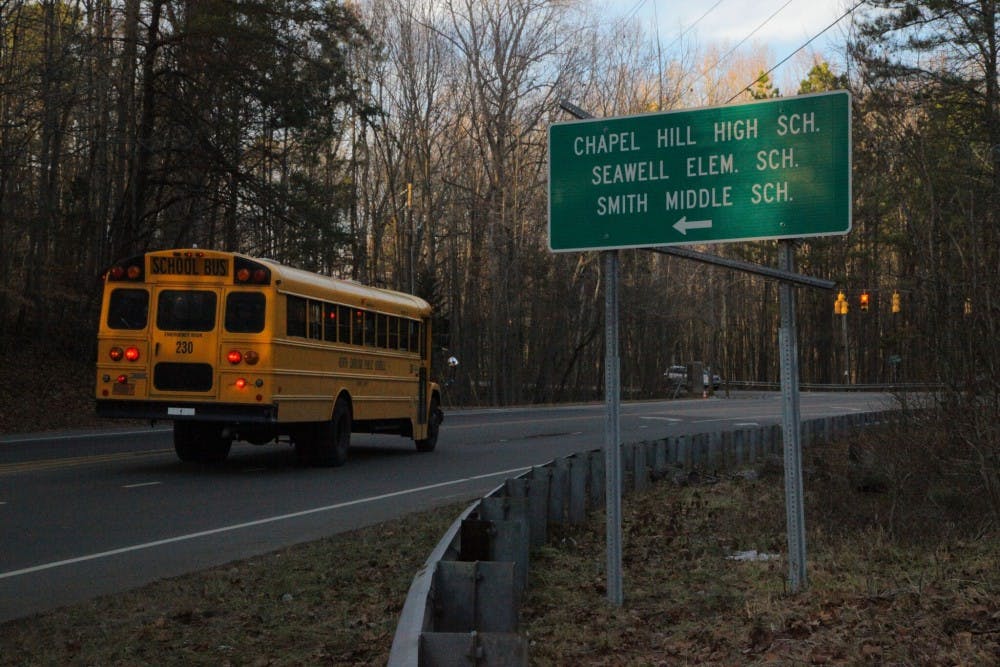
x=241 y=383
x=236 y=357
x=116 y=354
x=132 y=269
x=132 y=354
x=248 y=272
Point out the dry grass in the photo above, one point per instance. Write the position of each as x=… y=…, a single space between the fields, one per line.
x=887 y=584
x=332 y=602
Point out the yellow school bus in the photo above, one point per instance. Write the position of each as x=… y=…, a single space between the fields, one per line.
x=231 y=347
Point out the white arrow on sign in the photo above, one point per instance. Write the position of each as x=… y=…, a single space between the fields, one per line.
x=683 y=225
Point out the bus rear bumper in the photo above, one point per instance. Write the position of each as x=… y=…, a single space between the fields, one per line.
x=232 y=413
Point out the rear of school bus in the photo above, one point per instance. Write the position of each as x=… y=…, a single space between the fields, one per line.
x=183 y=336
x=199 y=337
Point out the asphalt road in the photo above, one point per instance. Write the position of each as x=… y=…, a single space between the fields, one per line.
x=88 y=513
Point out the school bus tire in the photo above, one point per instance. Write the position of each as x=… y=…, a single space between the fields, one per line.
x=200 y=443
x=330 y=440
x=434 y=419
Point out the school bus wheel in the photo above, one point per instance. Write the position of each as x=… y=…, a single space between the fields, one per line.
x=326 y=443
x=434 y=418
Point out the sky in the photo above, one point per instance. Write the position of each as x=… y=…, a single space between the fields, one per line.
x=787 y=24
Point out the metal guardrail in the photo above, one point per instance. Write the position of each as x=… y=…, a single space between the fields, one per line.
x=816 y=386
x=463 y=604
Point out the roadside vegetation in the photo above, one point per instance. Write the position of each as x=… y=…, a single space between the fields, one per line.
x=901 y=555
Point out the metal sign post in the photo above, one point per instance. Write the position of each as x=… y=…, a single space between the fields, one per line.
x=612 y=424
x=612 y=429
x=788 y=350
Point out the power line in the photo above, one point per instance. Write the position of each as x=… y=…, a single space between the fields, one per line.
x=635 y=10
x=742 y=41
x=788 y=57
x=696 y=22
x=754 y=32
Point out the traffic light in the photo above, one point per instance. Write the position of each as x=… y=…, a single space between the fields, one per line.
x=896 y=307
x=864 y=300
x=840 y=305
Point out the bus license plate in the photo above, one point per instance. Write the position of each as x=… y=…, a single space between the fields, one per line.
x=180 y=412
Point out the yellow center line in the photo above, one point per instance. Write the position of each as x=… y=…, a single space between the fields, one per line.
x=55 y=464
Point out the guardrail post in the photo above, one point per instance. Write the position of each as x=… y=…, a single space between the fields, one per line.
x=577 y=489
x=660 y=454
x=673 y=451
x=684 y=451
x=734 y=449
x=508 y=533
x=699 y=450
x=447 y=649
x=535 y=493
x=481 y=596
x=640 y=474
x=596 y=475
x=558 y=483
x=775 y=439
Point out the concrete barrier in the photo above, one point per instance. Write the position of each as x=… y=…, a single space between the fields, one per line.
x=463 y=606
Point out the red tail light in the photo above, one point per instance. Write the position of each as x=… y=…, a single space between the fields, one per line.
x=251 y=357
x=132 y=353
x=122 y=379
x=241 y=383
x=247 y=271
x=132 y=268
x=234 y=357
x=116 y=353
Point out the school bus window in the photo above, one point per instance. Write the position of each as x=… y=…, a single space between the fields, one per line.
x=369 y=329
x=315 y=320
x=358 y=327
x=382 y=331
x=393 y=333
x=344 y=324
x=413 y=343
x=245 y=312
x=329 y=322
x=128 y=309
x=185 y=310
x=295 y=320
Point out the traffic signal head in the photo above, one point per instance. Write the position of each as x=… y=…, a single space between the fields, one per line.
x=840 y=305
x=864 y=300
x=896 y=302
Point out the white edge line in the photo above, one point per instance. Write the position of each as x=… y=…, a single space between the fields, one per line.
x=249 y=524
x=140 y=485
x=20 y=440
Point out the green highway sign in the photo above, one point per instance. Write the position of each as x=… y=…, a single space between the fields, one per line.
x=766 y=170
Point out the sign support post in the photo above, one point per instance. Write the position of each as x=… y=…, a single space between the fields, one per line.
x=612 y=430
x=788 y=352
x=612 y=422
